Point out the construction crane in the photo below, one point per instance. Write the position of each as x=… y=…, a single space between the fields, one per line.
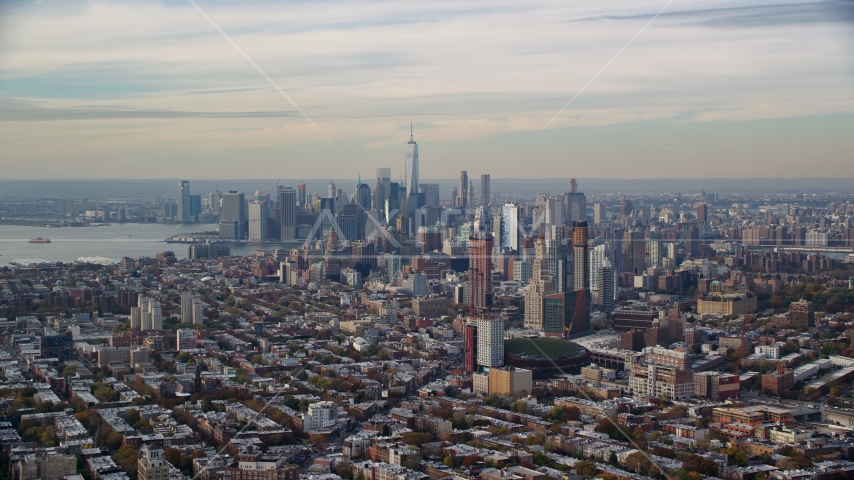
x=741 y=350
x=579 y=297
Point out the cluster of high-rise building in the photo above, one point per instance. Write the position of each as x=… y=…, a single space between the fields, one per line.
x=146 y=315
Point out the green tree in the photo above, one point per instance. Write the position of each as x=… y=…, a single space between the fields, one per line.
x=126 y=457
x=132 y=416
x=736 y=456
x=794 y=463
x=637 y=462
x=586 y=469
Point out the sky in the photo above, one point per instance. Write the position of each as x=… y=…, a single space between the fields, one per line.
x=327 y=89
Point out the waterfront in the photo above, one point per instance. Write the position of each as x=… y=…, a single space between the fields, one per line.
x=102 y=244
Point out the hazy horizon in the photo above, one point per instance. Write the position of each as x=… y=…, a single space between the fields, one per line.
x=502 y=188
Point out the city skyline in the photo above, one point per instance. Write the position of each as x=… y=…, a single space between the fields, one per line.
x=155 y=91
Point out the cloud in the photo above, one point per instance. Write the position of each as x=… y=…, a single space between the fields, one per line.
x=98 y=79
x=830 y=11
x=12 y=110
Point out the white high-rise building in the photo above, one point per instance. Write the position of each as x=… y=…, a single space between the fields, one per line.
x=257 y=221
x=155 y=318
x=671 y=250
x=511 y=236
x=150 y=316
x=654 y=250
x=198 y=312
x=554 y=211
x=490 y=342
x=142 y=310
x=534 y=295
x=135 y=319
x=191 y=309
x=598 y=213
x=598 y=255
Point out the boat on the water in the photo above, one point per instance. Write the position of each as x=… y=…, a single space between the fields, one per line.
x=39 y=240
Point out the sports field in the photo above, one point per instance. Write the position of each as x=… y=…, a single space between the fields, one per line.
x=542 y=347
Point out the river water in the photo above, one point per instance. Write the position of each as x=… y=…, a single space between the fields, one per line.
x=103 y=244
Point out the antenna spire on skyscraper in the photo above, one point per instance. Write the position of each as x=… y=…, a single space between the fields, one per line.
x=411 y=138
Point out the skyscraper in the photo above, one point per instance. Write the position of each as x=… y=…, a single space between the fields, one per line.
x=598 y=255
x=702 y=212
x=490 y=342
x=412 y=164
x=464 y=189
x=301 y=196
x=626 y=207
x=634 y=252
x=258 y=221
x=607 y=285
x=581 y=257
x=541 y=267
x=556 y=258
x=184 y=201
x=412 y=201
x=431 y=194
x=598 y=213
x=510 y=234
x=363 y=195
x=554 y=211
x=287 y=212
x=348 y=220
x=480 y=268
x=654 y=250
x=331 y=191
x=232 y=219
x=575 y=207
x=195 y=207
x=471 y=345
x=534 y=295
x=382 y=192
x=363 y=200
x=485 y=192
x=214 y=201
